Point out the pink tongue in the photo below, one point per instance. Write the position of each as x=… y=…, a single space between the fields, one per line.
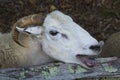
x=88 y=62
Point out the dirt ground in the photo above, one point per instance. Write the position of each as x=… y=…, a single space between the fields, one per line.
x=100 y=18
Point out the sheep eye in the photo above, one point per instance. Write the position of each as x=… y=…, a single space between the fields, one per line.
x=53 y=32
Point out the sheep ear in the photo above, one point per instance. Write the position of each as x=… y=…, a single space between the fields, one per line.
x=34 y=30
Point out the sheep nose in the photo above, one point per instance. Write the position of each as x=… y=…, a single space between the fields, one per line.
x=95 y=47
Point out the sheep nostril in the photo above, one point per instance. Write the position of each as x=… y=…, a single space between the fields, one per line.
x=95 y=47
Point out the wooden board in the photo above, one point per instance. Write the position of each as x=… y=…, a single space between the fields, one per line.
x=61 y=71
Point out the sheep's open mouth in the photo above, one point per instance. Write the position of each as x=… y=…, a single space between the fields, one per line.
x=88 y=61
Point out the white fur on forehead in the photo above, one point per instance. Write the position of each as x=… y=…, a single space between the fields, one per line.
x=58 y=16
x=62 y=22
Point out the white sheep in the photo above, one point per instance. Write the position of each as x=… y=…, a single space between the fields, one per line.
x=38 y=39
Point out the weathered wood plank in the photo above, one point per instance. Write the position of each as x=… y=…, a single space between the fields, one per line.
x=61 y=71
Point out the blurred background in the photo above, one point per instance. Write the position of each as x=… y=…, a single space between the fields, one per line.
x=100 y=18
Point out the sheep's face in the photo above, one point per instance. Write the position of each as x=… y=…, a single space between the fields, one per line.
x=66 y=41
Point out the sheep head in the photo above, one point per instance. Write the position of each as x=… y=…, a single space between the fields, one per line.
x=62 y=38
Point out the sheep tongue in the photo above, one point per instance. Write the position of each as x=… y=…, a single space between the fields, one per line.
x=90 y=62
